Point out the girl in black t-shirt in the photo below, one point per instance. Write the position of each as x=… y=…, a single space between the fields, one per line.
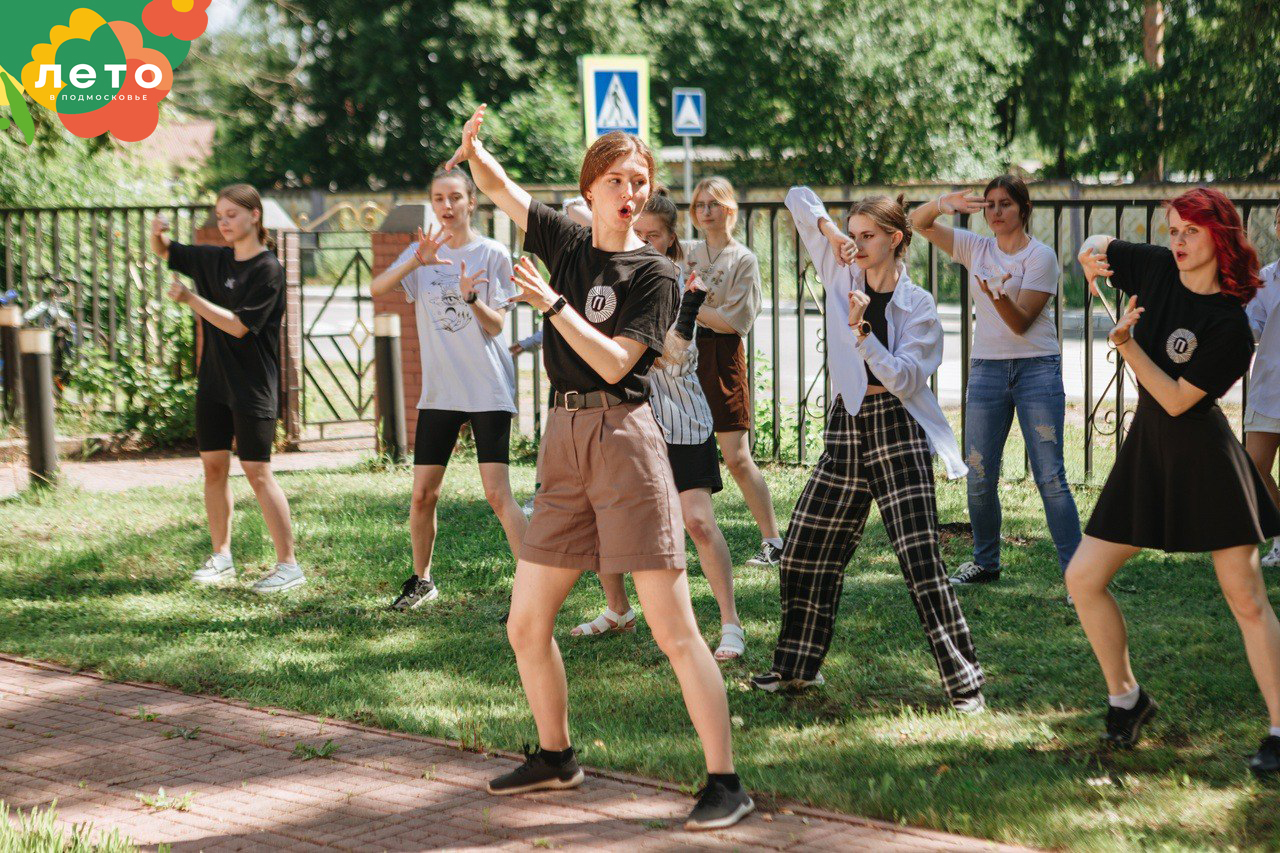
x=608 y=501
x=239 y=298
x=1182 y=481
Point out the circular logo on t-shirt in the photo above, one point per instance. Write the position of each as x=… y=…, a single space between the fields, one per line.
x=601 y=300
x=1180 y=346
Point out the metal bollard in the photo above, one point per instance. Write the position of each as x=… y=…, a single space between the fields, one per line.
x=10 y=323
x=37 y=392
x=389 y=381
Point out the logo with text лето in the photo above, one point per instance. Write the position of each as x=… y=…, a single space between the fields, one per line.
x=101 y=66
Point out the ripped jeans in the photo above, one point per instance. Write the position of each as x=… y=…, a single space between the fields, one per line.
x=1032 y=387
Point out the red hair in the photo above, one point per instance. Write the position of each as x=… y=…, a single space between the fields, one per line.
x=1237 y=261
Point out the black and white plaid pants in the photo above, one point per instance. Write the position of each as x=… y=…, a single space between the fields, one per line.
x=880 y=453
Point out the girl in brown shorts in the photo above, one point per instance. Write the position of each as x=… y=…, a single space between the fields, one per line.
x=608 y=501
x=732 y=277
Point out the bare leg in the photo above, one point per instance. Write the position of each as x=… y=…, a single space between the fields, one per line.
x=536 y=598
x=218 y=503
x=497 y=490
x=664 y=593
x=713 y=551
x=737 y=457
x=1262 y=448
x=1246 y=594
x=427 y=480
x=1094 y=565
x=275 y=507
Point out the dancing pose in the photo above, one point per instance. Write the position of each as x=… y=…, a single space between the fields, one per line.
x=608 y=501
x=732 y=277
x=459 y=283
x=239 y=298
x=1262 y=416
x=881 y=428
x=1015 y=365
x=1181 y=481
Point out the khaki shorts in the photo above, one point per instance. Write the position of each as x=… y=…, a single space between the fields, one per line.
x=608 y=500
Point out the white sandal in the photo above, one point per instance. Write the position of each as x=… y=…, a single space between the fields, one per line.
x=733 y=642
x=607 y=622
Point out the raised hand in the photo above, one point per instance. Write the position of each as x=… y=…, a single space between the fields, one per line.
x=994 y=290
x=843 y=246
x=1094 y=265
x=159 y=225
x=858 y=302
x=179 y=292
x=533 y=288
x=428 y=245
x=694 y=282
x=470 y=136
x=468 y=283
x=1124 y=328
x=961 y=201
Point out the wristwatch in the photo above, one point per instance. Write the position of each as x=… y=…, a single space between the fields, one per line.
x=555 y=308
x=862 y=329
x=471 y=297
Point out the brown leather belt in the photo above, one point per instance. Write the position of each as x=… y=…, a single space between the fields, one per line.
x=575 y=400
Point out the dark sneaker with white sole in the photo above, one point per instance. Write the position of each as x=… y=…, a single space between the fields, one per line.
x=1266 y=761
x=414 y=592
x=1124 y=725
x=766 y=556
x=539 y=773
x=773 y=682
x=973 y=573
x=718 y=807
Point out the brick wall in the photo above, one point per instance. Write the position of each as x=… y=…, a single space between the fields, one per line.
x=387 y=246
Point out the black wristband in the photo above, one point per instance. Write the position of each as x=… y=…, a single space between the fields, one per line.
x=471 y=297
x=556 y=307
x=689 y=305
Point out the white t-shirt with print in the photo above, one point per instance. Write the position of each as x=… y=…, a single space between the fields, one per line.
x=1035 y=267
x=463 y=369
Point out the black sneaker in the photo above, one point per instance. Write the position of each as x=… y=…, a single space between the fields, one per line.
x=1124 y=726
x=718 y=807
x=772 y=682
x=415 y=591
x=766 y=556
x=1267 y=759
x=538 y=773
x=973 y=573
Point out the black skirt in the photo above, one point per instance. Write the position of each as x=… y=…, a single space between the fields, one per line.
x=1183 y=484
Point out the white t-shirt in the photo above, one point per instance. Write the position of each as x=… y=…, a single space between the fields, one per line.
x=463 y=369
x=1264 y=380
x=1035 y=267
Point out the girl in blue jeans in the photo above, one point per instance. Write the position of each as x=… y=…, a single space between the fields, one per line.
x=1016 y=363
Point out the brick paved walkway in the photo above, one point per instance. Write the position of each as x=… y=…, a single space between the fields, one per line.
x=117 y=475
x=82 y=740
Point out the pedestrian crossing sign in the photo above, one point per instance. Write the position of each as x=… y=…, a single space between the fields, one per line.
x=688 y=112
x=615 y=95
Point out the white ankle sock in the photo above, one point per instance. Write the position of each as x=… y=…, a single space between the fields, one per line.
x=1275 y=731
x=221 y=561
x=777 y=542
x=1128 y=701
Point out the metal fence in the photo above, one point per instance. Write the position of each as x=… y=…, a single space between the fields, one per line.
x=97 y=263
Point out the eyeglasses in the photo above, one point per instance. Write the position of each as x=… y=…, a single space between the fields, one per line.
x=706 y=206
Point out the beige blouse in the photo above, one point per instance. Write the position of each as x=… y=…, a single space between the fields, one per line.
x=733 y=282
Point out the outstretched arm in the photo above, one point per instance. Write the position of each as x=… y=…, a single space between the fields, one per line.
x=924 y=219
x=491 y=179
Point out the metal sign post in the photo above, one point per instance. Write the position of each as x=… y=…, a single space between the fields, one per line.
x=688 y=119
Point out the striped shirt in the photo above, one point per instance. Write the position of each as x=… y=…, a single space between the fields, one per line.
x=678 y=402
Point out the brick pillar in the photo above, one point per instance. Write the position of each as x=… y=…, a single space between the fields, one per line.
x=395 y=235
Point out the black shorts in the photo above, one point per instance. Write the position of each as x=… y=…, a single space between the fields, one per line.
x=696 y=466
x=438 y=433
x=216 y=425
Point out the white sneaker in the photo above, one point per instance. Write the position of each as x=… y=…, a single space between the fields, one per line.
x=284 y=577
x=217 y=569
x=1272 y=558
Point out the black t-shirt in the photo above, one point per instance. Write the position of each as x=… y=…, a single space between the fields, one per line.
x=241 y=373
x=631 y=294
x=1202 y=338
x=879 y=324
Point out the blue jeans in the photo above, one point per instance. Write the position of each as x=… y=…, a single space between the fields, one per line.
x=1032 y=387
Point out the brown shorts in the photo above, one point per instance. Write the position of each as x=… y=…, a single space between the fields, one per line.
x=608 y=500
x=722 y=372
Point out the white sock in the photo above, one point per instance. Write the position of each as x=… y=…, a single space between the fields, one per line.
x=286 y=565
x=775 y=542
x=1275 y=731
x=221 y=561
x=1128 y=701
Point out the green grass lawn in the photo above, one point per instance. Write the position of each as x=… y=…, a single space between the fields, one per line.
x=100 y=581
